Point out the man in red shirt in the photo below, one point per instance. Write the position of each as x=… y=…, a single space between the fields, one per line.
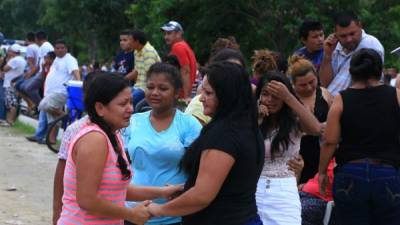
x=173 y=36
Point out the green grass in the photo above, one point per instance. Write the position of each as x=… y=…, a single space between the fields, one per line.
x=21 y=128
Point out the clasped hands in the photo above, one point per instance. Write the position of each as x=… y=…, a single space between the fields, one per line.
x=142 y=212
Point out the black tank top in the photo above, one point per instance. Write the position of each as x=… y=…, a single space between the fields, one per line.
x=309 y=146
x=370 y=125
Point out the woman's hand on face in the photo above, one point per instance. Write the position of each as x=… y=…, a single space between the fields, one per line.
x=330 y=44
x=171 y=191
x=279 y=90
x=140 y=213
x=262 y=111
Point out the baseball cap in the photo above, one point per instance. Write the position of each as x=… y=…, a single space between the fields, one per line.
x=15 y=48
x=172 y=26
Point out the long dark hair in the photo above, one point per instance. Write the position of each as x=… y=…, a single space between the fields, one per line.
x=104 y=88
x=236 y=105
x=286 y=118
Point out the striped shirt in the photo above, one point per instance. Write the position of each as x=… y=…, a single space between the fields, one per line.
x=144 y=58
x=341 y=62
x=112 y=186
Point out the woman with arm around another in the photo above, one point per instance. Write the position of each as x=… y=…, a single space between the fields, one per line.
x=225 y=161
x=316 y=99
x=97 y=174
x=364 y=125
x=282 y=119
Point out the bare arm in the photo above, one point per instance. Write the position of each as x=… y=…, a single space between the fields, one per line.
x=77 y=75
x=398 y=81
x=332 y=135
x=141 y=193
x=213 y=170
x=132 y=76
x=327 y=96
x=32 y=68
x=325 y=70
x=398 y=95
x=7 y=68
x=58 y=190
x=309 y=124
x=185 y=72
x=90 y=164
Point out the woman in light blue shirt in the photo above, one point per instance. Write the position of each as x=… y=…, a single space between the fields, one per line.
x=156 y=140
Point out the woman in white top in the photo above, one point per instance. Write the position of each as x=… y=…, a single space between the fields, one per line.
x=282 y=120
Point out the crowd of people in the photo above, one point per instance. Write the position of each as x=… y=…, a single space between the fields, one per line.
x=271 y=147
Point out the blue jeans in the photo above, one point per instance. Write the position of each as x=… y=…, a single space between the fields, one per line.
x=41 y=130
x=366 y=194
x=137 y=95
x=3 y=110
x=30 y=88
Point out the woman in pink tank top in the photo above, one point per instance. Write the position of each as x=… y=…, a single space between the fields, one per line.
x=97 y=172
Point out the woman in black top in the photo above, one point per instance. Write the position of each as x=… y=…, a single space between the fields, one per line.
x=317 y=99
x=223 y=165
x=364 y=122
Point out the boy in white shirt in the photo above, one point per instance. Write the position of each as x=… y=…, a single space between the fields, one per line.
x=12 y=70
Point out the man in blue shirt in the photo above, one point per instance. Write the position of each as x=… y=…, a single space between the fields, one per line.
x=311 y=35
x=124 y=62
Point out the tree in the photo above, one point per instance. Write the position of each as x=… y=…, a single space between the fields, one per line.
x=260 y=23
x=18 y=18
x=91 y=27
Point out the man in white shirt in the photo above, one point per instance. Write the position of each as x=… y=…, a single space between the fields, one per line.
x=12 y=70
x=28 y=87
x=44 y=48
x=64 y=68
x=393 y=76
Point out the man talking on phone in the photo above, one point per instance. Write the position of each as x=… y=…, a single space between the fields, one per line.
x=349 y=37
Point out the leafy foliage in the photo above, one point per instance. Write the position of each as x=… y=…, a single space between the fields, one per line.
x=92 y=26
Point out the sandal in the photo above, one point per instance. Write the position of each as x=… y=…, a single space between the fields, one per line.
x=4 y=123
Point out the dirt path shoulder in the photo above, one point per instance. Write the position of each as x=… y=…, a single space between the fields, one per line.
x=26 y=180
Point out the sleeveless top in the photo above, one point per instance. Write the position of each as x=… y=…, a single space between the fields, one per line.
x=309 y=146
x=112 y=186
x=276 y=166
x=370 y=125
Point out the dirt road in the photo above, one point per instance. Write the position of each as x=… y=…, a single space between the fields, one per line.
x=26 y=180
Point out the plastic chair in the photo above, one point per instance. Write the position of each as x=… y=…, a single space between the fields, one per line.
x=328 y=211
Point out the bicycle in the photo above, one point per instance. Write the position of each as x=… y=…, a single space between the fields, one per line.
x=74 y=111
